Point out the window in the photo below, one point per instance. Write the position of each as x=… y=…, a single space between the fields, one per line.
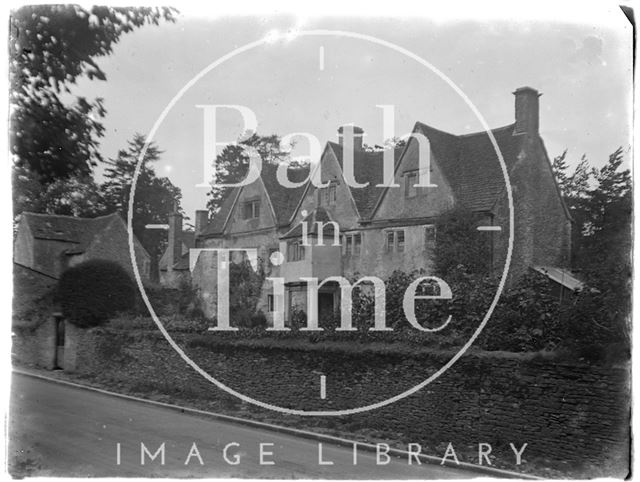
x=328 y=195
x=410 y=180
x=400 y=241
x=391 y=236
x=429 y=237
x=357 y=244
x=395 y=241
x=270 y=304
x=352 y=244
x=251 y=209
x=295 y=251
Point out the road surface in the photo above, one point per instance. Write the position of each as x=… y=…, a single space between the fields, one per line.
x=58 y=430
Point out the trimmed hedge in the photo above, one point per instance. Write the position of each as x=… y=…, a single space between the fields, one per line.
x=94 y=291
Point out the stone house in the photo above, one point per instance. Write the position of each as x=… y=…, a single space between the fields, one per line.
x=49 y=244
x=45 y=246
x=380 y=228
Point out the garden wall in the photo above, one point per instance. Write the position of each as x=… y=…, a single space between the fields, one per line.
x=572 y=414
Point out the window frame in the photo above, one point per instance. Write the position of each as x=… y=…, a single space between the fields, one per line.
x=251 y=209
x=396 y=246
x=295 y=251
x=349 y=243
x=329 y=195
x=410 y=181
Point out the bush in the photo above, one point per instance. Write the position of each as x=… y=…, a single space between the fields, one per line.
x=182 y=300
x=92 y=292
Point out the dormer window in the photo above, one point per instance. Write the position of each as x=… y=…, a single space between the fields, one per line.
x=251 y=209
x=328 y=195
x=410 y=181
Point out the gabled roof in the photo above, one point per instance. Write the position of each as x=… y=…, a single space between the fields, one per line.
x=219 y=221
x=189 y=239
x=284 y=200
x=189 y=242
x=79 y=231
x=470 y=164
x=367 y=167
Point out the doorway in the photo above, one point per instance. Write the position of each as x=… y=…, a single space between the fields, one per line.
x=325 y=305
x=60 y=339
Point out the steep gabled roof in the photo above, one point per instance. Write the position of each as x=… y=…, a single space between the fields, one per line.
x=470 y=164
x=367 y=167
x=283 y=199
x=79 y=231
x=219 y=220
x=476 y=176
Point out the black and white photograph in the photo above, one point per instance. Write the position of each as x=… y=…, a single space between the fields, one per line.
x=339 y=241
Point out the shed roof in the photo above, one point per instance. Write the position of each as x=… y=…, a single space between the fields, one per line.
x=561 y=276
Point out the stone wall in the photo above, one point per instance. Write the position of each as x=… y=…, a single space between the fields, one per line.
x=567 y=413
x=35 y=345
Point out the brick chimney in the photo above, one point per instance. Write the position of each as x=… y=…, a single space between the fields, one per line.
x=527 y=110
x=202 y=219
x=174 y=246
x=351 y=130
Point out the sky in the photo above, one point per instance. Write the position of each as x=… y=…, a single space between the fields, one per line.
x=582 y=67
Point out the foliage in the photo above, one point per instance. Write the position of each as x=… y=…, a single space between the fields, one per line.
x=92 y=292
x=50 y=47
x=155 y=197
x=180 y=303
x=245 y=285
x=600 y=202
x=232 y=164
x=458 y=246
x=72 y=196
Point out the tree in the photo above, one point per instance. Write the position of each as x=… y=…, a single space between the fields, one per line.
x=232 y=164
x=74 y=196
x=93 y=291
x=52 y=134
x=155 y=197
x=602 y=211
x=600 y=204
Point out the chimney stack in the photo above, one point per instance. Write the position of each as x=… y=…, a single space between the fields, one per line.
x=202 y=219
x=175 y=238
x=527 y=110
x=350 y=130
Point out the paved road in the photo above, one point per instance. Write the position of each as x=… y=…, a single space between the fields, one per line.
x=65 y=431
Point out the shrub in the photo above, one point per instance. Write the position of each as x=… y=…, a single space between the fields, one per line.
x=182 y=300
x=92 y=292
x=458 y=244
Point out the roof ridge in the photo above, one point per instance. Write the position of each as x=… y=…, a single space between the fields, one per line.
x=66 y=216
x=502 y=128
x=469 y=134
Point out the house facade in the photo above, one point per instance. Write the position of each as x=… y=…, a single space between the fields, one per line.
x=50 y=244
x=379 y=227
